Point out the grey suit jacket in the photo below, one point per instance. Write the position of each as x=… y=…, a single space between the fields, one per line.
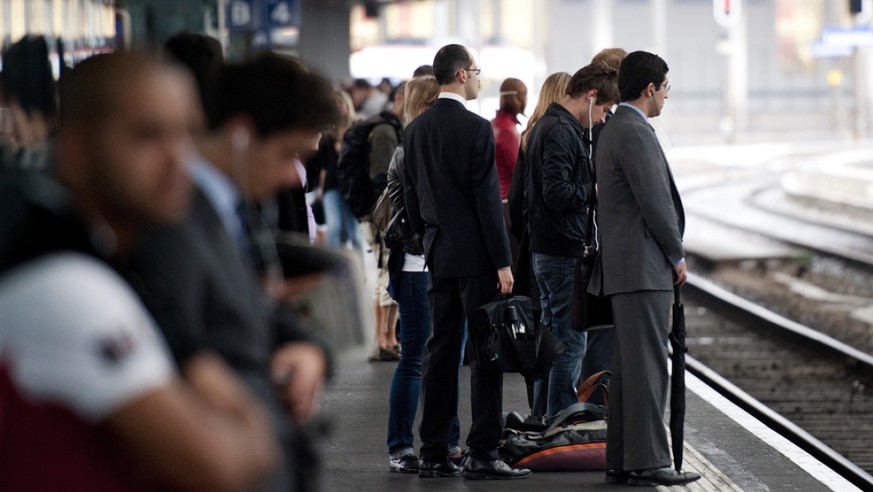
x=640 y=216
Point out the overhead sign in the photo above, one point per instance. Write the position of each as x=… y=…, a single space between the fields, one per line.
x=847 y=37
x=242 y=15
x=727 y=12
x=283 y=13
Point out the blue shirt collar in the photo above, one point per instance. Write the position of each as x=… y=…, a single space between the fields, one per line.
x=638 y=110
x=222 y=194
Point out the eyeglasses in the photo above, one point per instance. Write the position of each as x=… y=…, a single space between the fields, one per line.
x=666 y=86
x=477 y=70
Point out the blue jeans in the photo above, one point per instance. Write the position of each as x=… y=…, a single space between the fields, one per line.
x=414 y=330
x=555 y=277
x=341 y=223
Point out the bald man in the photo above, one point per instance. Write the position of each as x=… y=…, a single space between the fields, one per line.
x=513 y=99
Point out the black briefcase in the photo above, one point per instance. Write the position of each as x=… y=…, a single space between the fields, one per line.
x=515 y=341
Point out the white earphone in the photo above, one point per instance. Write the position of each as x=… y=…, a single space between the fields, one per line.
x=239 y=139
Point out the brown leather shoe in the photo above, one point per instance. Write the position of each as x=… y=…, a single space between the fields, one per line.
x=660 y=476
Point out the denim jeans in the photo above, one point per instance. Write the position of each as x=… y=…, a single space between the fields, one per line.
x=555 y=276
x=341 y=223
x=414 y=330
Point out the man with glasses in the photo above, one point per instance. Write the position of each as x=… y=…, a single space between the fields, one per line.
x=453 y=201
x=641 y=226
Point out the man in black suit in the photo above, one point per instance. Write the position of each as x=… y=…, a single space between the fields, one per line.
x=453 y=200
x=199 y=279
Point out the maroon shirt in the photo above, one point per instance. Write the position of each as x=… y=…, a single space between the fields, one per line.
x=506 y=140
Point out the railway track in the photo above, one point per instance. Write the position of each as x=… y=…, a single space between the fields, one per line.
x=819 y=384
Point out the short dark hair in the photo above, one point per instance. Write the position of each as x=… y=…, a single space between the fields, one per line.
x=200 y=53
x=277 y=92
x=89 y=92
x=638 y=70
x=27 y=76
x=423 y=70
x=598 y=76
x=448 y=60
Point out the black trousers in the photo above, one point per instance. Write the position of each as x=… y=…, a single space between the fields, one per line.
x=452 y=302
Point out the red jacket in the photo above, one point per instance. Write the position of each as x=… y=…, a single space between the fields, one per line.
x=506 y=140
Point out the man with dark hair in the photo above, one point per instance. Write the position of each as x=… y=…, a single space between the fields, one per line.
x=453 y=202
x=559 y=191
x=641 y=226
x=200 y=279
x=90 y=396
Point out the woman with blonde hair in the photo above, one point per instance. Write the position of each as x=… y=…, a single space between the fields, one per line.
x=553 y=90
x=408 y=286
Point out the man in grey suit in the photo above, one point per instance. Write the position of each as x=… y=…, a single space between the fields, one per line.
x=641 y=223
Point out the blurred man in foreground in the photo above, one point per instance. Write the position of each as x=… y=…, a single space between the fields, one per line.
x=199 y=279
x=89 y=396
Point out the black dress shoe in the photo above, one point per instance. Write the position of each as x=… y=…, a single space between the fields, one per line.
x=616 y=476
x=660 y=476
x=438 y=469
x=476 y=469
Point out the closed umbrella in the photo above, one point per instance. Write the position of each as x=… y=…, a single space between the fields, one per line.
x=677 y=381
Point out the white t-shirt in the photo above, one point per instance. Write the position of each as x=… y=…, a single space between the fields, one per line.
x=75 y=334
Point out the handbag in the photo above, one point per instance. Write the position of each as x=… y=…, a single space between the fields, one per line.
x=590 y=311
x=514 y=339
x=397 y=231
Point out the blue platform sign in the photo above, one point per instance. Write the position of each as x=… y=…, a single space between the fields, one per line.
x=242 y=15
x=283 y=13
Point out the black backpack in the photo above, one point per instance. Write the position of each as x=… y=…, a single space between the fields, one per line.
x=353 y=167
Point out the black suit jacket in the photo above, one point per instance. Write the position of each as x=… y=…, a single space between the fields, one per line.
x=452 y=192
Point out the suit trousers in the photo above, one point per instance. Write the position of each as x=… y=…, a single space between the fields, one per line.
x=452 y=302
x=636 y=437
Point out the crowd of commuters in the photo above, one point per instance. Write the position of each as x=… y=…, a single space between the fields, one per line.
x=148 y=325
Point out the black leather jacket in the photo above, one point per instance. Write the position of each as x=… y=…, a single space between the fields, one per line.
x=559 y=185
x=412 y=243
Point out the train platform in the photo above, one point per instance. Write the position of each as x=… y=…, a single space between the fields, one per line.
x=729 y=448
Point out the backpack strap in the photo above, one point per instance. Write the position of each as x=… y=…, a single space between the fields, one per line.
x=593 y=383
x=574 y=413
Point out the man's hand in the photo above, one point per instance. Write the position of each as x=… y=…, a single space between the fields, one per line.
x=298 y=370
x=680 y=273
x=505 y=280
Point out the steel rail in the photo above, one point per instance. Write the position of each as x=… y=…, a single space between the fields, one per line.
x=780 y=424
